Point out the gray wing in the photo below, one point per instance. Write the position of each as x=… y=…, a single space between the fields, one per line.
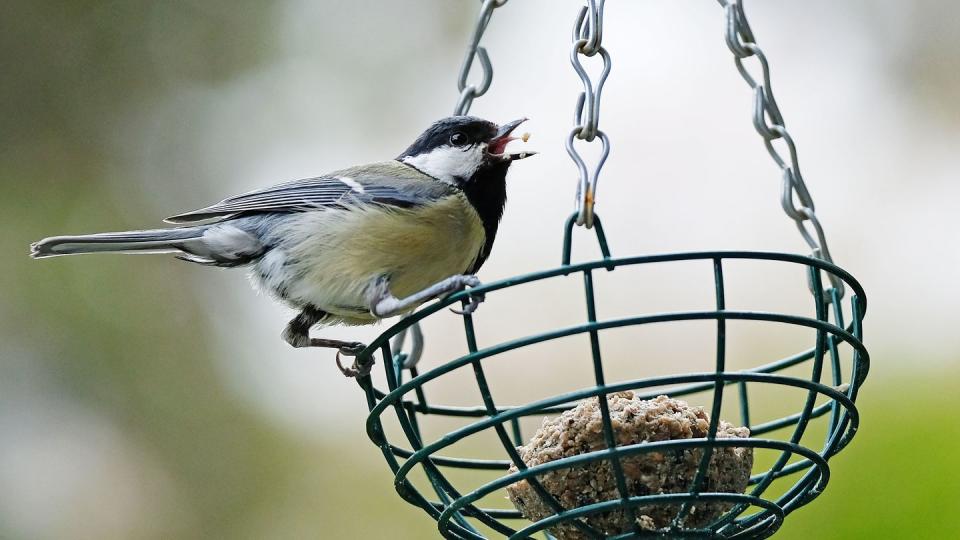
x=389 y=183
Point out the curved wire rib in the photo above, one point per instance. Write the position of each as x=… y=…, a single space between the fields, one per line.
x=456 y=510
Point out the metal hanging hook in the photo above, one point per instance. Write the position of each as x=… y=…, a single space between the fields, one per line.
x=589 y=101
x=592 y=32
x=769 y=124
x=738 y=31
x=587 y=187
x=408 y=360
x=587 y=39
x=468 y=92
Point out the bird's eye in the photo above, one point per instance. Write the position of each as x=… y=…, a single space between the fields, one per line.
x=459 y=139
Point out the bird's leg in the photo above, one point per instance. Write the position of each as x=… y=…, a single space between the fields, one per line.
x=297 y=334
x=384 y=304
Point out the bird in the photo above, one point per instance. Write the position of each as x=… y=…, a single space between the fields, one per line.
x=353 y=246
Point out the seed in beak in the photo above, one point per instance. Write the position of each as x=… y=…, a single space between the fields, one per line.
x=525 y=137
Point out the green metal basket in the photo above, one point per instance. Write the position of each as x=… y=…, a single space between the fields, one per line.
x=826 y=375
x=837 y=346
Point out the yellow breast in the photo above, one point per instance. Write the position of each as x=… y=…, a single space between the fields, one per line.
x=418 y=247
x=345 y=251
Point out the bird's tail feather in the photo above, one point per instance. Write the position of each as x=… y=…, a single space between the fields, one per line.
x=151 y=241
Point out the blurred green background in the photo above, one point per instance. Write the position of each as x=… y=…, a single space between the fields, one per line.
x=141 y=397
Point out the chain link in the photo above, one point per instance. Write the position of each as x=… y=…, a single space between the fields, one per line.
x=587 y=42
x=768 y=122
x=468 y=92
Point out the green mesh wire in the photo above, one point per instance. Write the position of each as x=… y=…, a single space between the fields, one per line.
x=758 y=513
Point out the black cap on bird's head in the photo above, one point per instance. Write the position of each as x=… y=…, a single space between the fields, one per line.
x=469 y=154
x=456 y=148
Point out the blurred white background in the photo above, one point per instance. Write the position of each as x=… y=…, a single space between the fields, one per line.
x=877 y=144
x=868 y=90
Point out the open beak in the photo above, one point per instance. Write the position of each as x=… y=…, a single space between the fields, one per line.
x=498 y=143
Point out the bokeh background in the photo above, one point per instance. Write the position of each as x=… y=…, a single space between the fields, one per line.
x=141 y=397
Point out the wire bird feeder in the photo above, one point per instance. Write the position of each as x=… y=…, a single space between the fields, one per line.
x=756 y=513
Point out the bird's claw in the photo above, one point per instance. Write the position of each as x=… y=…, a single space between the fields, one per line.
x=355 y=369
x=475 y=300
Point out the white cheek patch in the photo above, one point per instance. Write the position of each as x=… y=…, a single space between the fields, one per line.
x=448 y=163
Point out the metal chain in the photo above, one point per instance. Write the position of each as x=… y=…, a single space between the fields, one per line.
x=587 y=42
x=468 y=92
x=768 y=122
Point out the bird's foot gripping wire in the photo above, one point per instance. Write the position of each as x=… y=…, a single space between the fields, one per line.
x=475 y=300
x=344 y=348
x=297 y=334
x=384 y=304
x=355 y=369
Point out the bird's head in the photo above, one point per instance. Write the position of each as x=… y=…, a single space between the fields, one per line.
x=459 y=149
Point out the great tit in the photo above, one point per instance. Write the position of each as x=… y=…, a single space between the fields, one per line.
x=353 y=246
